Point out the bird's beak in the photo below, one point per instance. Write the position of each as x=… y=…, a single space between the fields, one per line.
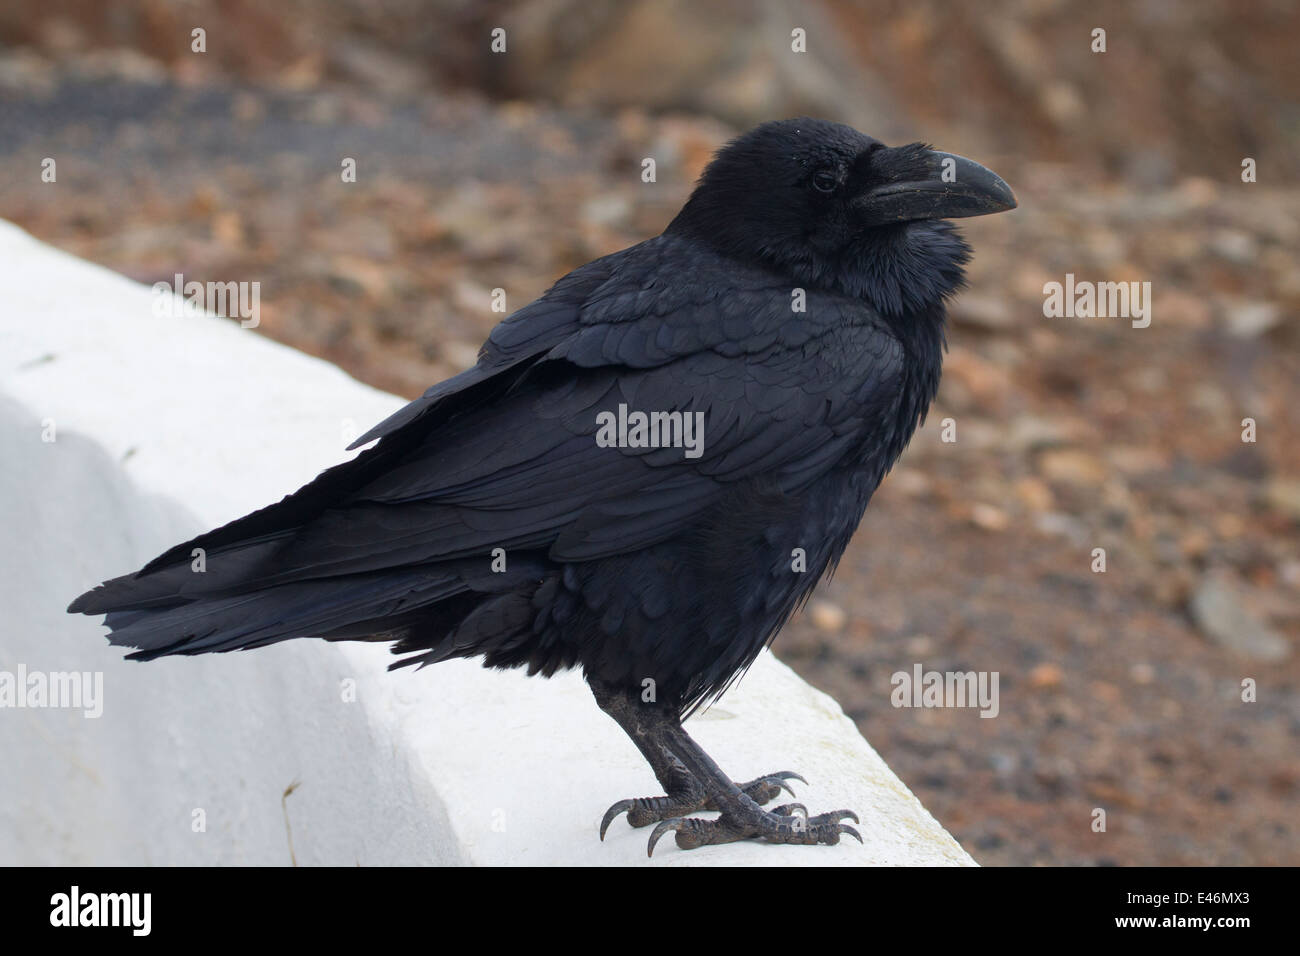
x=933 y=185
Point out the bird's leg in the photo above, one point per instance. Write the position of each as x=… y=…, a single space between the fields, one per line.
x=693 y=782
x=741 y=818
x=651 y=728
x=648 y=726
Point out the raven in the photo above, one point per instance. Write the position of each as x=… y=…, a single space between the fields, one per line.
x=644 y=475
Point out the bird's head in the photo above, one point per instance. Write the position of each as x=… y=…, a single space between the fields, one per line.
x=832 y=208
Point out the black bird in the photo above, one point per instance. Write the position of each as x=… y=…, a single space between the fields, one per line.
x=522 y=512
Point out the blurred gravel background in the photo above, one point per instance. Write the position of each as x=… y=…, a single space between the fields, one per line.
x=476 y=171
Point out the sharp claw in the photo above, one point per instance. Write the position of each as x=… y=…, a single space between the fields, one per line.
x=795 y=824
x=621 y=807
x=782 y=784
x=663 y=827
x=835 y=816
x=779 y=780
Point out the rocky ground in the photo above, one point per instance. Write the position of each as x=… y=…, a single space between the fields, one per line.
x=1120 y=689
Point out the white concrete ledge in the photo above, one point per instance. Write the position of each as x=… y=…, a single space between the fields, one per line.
x=164 y=427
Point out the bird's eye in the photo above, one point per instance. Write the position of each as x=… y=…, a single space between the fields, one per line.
x=825 y=180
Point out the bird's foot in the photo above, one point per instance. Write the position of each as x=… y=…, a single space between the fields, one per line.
x=785 y=824
x=643 y=811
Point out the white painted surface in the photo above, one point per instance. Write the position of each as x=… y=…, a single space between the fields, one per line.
x=168 y=426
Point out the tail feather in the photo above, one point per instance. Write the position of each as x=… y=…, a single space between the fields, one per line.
x=496 y=626
x=179 y=582
x=241 y=598
x=257 y=618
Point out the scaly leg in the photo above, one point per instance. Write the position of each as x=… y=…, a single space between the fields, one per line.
x=693 y=782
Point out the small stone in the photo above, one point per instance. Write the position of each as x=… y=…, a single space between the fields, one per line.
x=1072 y=466
x=1184 y=309
x=471 y=297
x=1248 y=320
x=1046 y=675
x=1219 y=610
x=1034 y=494
x=988 y=517
x=827 y=617
x=357 y=275
x=1284 y=496
x=608 y=210
x=247 y=108
x=919 y=645
x=1142 y=673
x=1138 y=459
x=1064 y=525
x=1198 y=191
x=1235 y=246
x=1229 y=526
x=1106 y=692
x=1062 y=102
x=1004 y=764
x=1195 y=542
x=910 y=481
x=983 y=311
x=1029 y=432
x=462 y=355
x=986 y=383
x=227 y=228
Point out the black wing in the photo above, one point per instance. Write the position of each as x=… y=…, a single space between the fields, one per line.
x=505 y=456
